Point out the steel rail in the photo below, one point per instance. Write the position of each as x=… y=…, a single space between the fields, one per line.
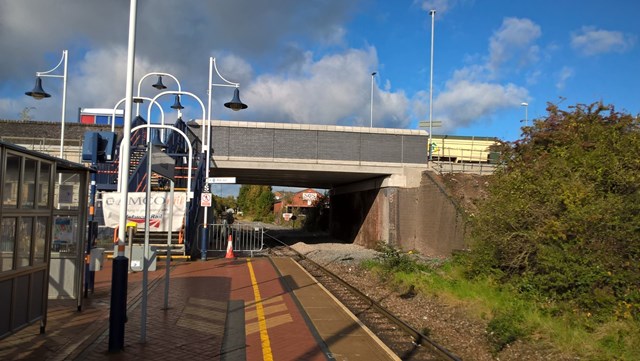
x=418 y=337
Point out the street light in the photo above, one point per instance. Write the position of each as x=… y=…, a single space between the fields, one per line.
x=526 y=113
x=39 y=93
x=160 y=86
x=372 y=76
x=235 y=104
x=433 y=16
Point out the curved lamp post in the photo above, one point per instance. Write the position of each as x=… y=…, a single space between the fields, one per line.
x=39 y=93
x=235 y=104
x=160 y=86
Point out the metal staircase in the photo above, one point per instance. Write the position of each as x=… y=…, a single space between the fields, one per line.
x=176 y=147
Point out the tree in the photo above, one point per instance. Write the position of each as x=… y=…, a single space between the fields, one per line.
x=256 y=202
x=25 y=114
x=562 y=217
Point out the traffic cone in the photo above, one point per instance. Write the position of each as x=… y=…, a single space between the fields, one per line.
x=230 y=248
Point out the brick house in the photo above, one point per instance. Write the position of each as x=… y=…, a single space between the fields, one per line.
x=298 y=203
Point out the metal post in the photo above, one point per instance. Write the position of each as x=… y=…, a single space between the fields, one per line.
x=433 y=15
x=372 y=75
x=145 y=250
x=167 y=274
x=119 y=279
x=64 y=103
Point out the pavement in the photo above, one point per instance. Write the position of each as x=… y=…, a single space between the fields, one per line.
x=193 y=326
x=219 y=309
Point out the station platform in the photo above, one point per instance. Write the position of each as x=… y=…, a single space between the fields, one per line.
x=219 y=309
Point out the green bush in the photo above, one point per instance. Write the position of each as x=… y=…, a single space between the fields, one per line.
x=561 y=219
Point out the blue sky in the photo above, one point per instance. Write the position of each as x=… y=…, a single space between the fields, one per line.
x=310 y=61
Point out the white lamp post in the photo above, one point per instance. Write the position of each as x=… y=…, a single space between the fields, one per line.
x=39 y=93
x=372 y=76
x=160 y=86
x=235 y=104
x=526 y=113
x=433 y=16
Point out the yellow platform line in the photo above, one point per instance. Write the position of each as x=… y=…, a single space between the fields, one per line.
x=264 y=336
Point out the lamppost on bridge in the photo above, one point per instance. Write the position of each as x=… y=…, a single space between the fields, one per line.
x=39 y=93
x=433 y=16
x=235 y=104
x=372 y=76
x=526 y=113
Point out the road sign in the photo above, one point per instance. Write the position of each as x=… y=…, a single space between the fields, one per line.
x=287 y=216
x=222 y=180
x=205 y=200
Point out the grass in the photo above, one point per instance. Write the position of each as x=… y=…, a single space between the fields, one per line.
x=508 y=314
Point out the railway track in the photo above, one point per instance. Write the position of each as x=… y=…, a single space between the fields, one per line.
x=400 y=337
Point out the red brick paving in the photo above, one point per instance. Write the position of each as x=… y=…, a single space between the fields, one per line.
x=192 y=328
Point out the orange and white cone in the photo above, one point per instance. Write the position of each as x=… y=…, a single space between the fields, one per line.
x=230 y=248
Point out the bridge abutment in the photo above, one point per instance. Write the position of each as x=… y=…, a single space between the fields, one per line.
x=422 y=218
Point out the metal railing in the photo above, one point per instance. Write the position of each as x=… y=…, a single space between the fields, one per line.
x=443 y=167
x=244 y=237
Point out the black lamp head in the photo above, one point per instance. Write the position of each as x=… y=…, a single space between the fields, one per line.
x=176 y=104
x=158 y=85
x=37 y=92
x=235 y=104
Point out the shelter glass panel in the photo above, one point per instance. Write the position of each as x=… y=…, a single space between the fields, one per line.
x=43 y=185
x=23 y=249
x=40 y=237
x=65 y=237
x=29 y=184
x=11 y=182
x=68 y=191
x=7 y=243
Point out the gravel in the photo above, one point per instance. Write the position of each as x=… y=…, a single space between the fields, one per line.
x=444 y=321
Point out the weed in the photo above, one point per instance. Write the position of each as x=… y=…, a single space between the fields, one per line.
x=505 y=328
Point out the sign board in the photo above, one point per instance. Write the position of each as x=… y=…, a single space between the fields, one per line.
x=287 y=216
x=222 y=180
x=309 y=196
x=161 y=208
x=205 y=200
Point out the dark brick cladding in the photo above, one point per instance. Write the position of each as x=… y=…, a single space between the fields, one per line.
x=40 y=129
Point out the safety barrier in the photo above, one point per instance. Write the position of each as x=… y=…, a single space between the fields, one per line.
x=244 y=237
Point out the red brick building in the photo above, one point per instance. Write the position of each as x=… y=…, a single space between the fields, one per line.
x=297 y=203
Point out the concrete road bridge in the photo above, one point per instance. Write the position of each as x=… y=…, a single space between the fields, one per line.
x=317 y=156
x=381 y=186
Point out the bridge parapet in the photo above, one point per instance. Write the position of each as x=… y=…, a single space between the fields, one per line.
x=319 y=142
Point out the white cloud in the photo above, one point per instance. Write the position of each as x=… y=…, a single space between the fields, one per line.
x=563 y=75
x=335 y=89
x=473 y=94
x=441 y=6
x=513 y=43
x=592 y=41
x=465 y=102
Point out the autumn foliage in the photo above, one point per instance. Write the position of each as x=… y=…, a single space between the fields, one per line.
x=562 y=219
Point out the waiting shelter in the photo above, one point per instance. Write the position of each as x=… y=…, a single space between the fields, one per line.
x=43 y=222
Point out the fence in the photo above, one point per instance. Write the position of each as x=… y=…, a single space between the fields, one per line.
x=245 y=238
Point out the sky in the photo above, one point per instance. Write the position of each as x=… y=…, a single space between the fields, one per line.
x=311 y=61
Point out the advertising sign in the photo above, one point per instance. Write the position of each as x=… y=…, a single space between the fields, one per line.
x=159 y=213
